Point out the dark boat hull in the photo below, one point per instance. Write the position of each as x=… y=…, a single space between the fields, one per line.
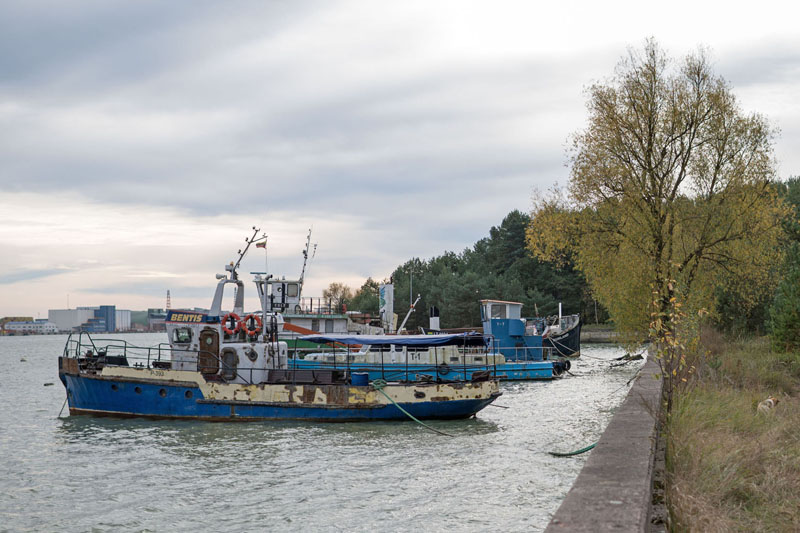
x=566 y=344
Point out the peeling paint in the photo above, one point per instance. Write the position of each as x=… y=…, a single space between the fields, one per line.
x=335 y=395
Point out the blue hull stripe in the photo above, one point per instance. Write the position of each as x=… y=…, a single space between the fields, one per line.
x=135 y=398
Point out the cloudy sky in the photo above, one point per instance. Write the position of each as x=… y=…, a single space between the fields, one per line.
x=140 y=141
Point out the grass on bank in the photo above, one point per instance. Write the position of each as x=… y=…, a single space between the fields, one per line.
x=729 y=467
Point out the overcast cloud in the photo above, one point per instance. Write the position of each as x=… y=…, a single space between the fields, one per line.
x=141 y=140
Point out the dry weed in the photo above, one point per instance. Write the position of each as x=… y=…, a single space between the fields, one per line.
x=731 y=468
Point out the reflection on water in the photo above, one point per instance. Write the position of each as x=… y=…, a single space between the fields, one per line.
x=106 y=474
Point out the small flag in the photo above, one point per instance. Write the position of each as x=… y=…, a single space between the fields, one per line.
x=262 y=244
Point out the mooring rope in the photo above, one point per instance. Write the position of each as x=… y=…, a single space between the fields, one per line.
x=562 y=354
x=62 y=407
x=597 y=358
x=379 y=384
x=586 y=449
x=576 y=452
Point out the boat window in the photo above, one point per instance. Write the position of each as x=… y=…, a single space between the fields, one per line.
x=182 y=335
x=315 y=324
x=291 y=290
x=498 y=311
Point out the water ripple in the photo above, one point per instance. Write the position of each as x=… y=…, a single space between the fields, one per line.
x=104 y=474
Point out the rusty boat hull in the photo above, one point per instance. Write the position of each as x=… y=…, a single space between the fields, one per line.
x=169 y=394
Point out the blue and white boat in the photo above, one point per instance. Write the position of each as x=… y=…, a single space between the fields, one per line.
x=231 y=366
x=513 y=349
x=526 y=339
x=402 y=357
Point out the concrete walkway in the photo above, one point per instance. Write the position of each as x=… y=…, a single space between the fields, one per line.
x=613 y=492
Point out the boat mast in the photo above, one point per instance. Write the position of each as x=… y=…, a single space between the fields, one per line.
x=410 y=310
x=305 y=261
x=241 y=253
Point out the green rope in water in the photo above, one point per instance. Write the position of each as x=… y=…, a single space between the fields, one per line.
x=379 y=384
x=576 y=452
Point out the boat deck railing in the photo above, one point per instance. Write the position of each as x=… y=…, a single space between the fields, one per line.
x=412 y=371
x=512 y=354
x=95 y=353
x=442 y=368
x=84 y=346
x=519 y=354
x=318 y=306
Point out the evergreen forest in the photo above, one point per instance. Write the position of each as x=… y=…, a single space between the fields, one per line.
x=497 y=267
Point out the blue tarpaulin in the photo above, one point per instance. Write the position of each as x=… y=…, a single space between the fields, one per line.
x=470 y=339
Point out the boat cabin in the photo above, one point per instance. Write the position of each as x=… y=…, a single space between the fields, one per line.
x=235 y=347
x=510 y=333
x=281 y=296
x=498 y=310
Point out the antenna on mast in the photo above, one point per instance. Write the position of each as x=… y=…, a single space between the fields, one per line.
x=169 y=303
x=305 y=260
x=241 y=253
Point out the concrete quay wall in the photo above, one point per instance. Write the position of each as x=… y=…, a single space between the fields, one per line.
x=614 y=490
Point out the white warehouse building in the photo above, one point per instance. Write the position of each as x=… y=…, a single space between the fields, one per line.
x=69 y=319
x=66 y=320
x=123 y=319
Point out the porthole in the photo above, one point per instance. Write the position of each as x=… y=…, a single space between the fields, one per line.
x=188 y=394
x=162 y=393
x=137 y=390
x=114 y=386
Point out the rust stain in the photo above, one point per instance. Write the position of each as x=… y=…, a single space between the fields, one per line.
x=440 y=398
x=337 y=395
x=309 y=393
x=69 y=366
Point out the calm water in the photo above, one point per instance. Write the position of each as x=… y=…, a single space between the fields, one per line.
x=98 y=474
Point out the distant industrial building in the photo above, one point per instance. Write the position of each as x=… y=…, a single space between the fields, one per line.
x=6 y=319
x=67 y=320
x=123 y=319
x=102 y=319
x=29 y=327
x=155 y=319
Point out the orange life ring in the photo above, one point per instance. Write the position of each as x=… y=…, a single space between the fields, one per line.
x=224 y=322
x=251 y=332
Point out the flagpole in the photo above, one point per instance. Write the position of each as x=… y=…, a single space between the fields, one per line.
x=264 y=295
